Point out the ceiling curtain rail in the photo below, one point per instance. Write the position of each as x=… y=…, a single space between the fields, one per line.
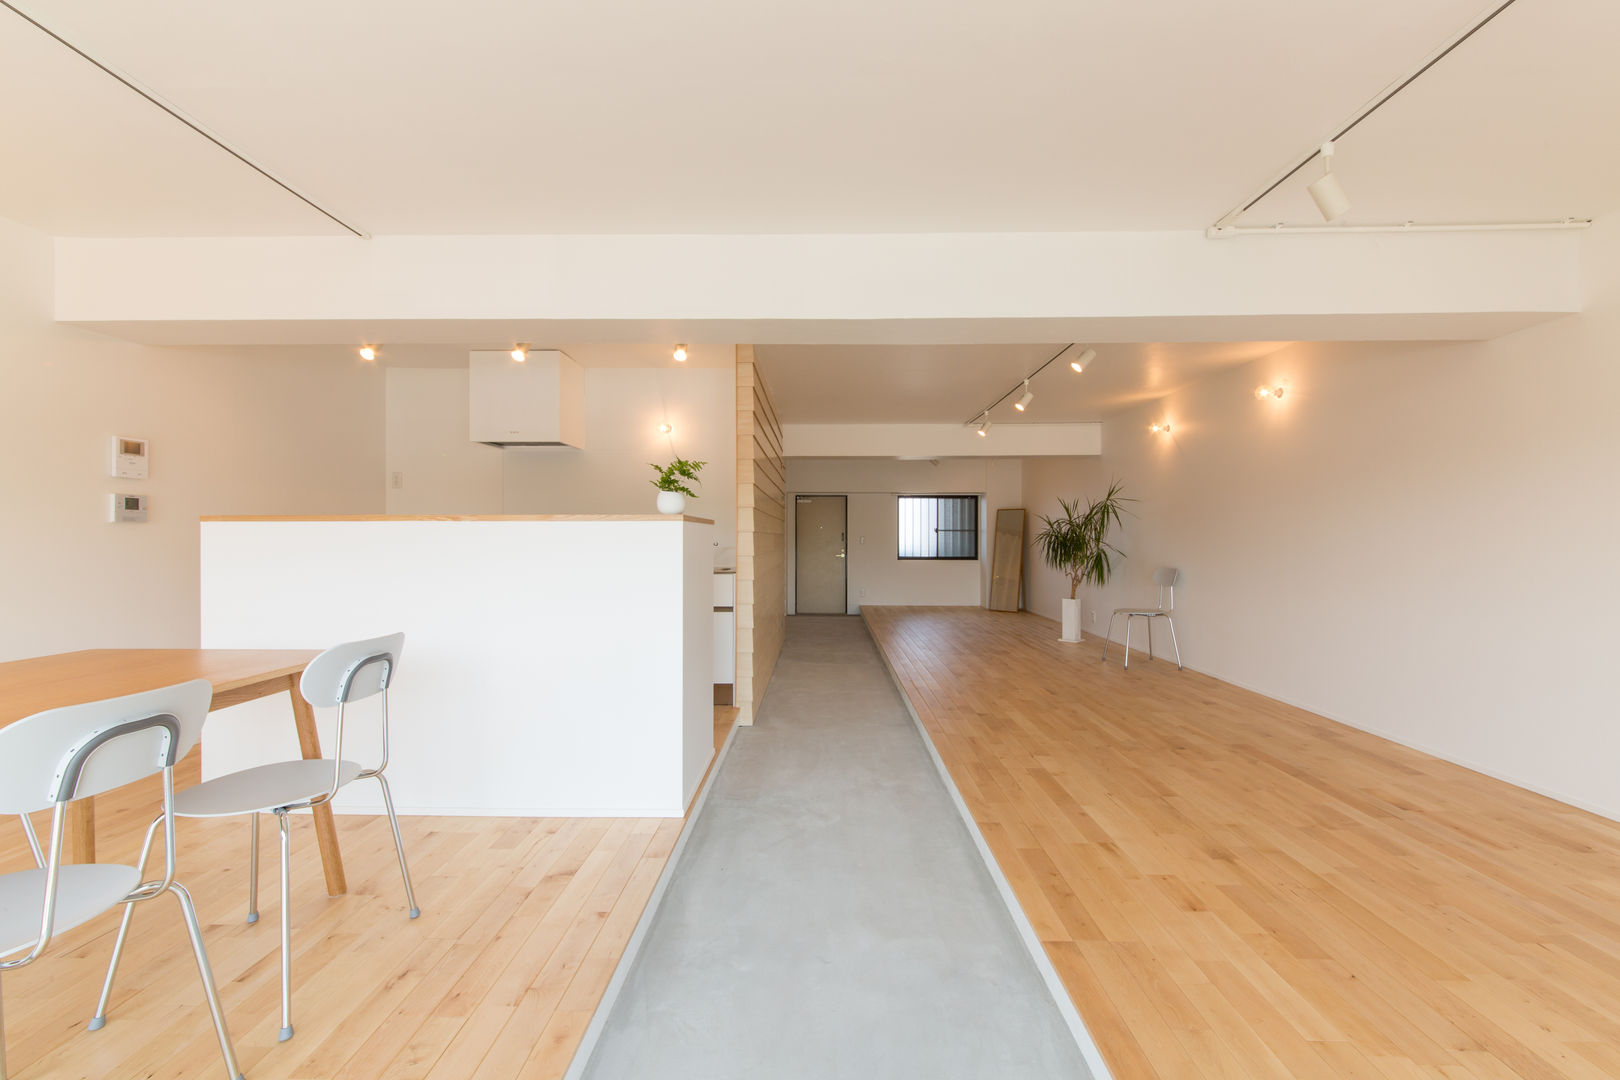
x=151 y=97
x=1222 y=227
x=1019 y=385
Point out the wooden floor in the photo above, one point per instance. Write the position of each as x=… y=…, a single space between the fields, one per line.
x=1231 y=887
x=523 y=921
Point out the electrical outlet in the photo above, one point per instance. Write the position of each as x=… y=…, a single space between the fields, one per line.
x=862 y=594
x=1094 y=617
x=397 y=481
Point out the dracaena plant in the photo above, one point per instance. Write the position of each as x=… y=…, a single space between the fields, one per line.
x=673 y=477
x=1075 y=542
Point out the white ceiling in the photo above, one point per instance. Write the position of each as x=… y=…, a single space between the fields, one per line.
x=852 y=384
x=588 y=116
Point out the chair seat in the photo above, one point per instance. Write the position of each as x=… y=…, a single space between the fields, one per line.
x=262 y=788
x=83 y=891
x=1147 y=612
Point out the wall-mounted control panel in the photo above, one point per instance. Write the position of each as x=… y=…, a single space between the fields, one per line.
x=128 y=508
x=129 y=458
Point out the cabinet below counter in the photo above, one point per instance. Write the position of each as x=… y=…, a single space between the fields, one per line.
x=725 y=636
x=553 y=667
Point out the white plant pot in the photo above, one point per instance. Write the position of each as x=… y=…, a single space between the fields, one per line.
x=1071 y=620
x=671 y=502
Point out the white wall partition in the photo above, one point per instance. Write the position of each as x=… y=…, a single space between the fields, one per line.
x=552 y=667
x=1417 y=539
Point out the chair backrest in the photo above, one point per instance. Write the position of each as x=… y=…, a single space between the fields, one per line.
x=1166 y=578
x=59 y=755
x=352 y=671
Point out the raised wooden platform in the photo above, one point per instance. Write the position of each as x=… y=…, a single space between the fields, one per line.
x=523 y=921
x=1232 y=887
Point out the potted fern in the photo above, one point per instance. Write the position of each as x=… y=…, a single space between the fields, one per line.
x=1075 y=543
x=671 y=482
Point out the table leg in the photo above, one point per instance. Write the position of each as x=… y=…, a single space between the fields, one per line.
x=81 y=830
x=309 y=744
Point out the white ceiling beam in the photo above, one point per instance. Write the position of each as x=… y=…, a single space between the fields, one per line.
x=940 y=440
x=1346 y=285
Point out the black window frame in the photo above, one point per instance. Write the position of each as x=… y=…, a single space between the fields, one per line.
x=973 y=533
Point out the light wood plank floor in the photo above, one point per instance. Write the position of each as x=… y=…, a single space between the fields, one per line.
x=1231 y=887
x=523 y=921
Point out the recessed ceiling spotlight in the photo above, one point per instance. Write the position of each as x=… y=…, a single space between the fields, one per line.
x=1264 y=392
x=1023 y=403
x=1160 y=429
x=520 y=353
x=665 y=429
x=368 y=352
x=1079 y=363
x=680 y=354
x=1326 y=191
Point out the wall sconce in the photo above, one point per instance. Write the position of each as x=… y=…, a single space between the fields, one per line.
x=1274 y=393
x=1160 y=429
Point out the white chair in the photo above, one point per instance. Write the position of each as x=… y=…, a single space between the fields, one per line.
x=33 y=839
x=340 y=675
x=1166 y=580
x=51 y=758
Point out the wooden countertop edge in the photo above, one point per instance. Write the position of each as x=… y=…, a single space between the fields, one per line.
x=471 y=517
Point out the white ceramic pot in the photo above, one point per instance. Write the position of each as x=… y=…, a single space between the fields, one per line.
x=1071 y=620
x=671 y=502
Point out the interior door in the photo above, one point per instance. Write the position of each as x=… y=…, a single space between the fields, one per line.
x=821 y=563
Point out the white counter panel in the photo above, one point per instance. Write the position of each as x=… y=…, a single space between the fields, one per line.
x=551 y=668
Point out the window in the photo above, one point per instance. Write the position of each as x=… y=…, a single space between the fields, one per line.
x=939 y=526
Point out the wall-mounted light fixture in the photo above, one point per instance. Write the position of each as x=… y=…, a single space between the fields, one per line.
x=1079 y=363
x=680 y=354
x=1160 y=428
x=520 y=353
x=1272 y=393
x=368 y=352
x=1023 y=403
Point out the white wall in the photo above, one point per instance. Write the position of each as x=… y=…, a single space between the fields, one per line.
x=1418 y=539
x=438 y=470
x=231 y=432
x=623 y=408
x=877 y=575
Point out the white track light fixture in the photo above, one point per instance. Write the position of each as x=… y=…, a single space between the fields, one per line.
x=520 y=353
x=1079 y=363
x=983 y=430
x=1326 y=191
x=680 y=354
x=368 y=352
x=1023 y=403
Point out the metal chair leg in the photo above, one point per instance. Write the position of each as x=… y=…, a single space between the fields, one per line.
x=1109 y=637
x=253 y=869
x=1128 y=620
x=399 y=845
x=1173 y=644
x=2 y=1037
x=33 y=840
x=1150 y=637
x=206 y=973
x=99 y=1020
x=286 y=926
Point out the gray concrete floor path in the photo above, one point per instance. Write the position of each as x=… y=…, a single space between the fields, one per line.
x=830 y=916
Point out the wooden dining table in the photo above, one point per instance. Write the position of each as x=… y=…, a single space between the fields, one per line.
x=237 y=675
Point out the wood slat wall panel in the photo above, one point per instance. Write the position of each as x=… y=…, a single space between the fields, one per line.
x=761 y=553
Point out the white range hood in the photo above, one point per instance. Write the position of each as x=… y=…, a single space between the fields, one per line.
x=536 y=401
